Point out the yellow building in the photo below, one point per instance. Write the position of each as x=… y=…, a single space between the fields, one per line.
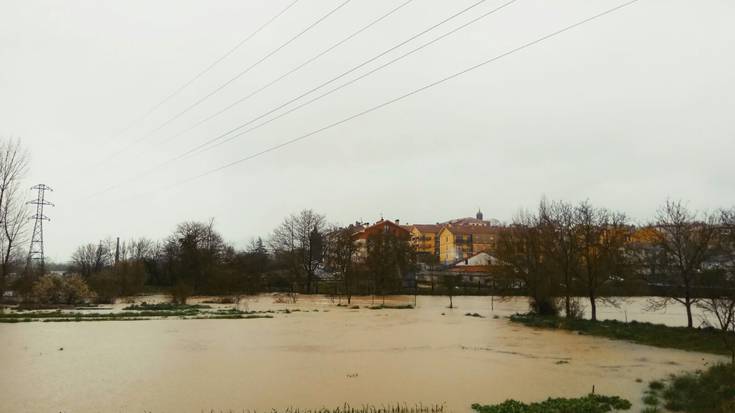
x=458 y=242
x=424 y=238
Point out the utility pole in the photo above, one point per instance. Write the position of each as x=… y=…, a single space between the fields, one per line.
x=36 y=252
x=117 y=252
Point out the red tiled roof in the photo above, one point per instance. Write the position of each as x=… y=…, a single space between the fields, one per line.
x=432 y=228
x=471 y=229
x=374 y=229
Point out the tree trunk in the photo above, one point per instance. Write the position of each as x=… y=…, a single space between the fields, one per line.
x=688 y=304
x=593 y=307
x=347 y=292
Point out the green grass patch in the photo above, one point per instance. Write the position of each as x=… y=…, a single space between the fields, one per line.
x=188 y=313
x=650 y=400
x=592 y=403
x=231 y=317
x=710 y=391
x=705 y=340
x=367 y=408
x=165 y=307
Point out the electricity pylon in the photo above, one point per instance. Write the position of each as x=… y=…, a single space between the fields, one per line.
x=36 y=253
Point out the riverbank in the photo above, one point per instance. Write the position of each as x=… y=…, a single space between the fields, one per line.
x=711 y=390
x=702 y=391
x=593 y=403
x=703 y=340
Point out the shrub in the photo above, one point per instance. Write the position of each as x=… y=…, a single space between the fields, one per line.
x=105 y=286
x=712 y=391
x=53 y=289
x=656 y=385
x=545 y=306
x=592 y=403
x=650 y=400
x=124 y=279
x=181 y=292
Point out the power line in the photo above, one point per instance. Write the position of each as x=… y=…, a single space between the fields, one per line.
x=404 y=96
x=290 y=72
x=206 y=69
x=232 y=79
x=310 y=91
x=410 y=52
x=372 y=59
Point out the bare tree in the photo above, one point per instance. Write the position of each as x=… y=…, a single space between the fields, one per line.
x=194 y=253
x=602 y=236
x=13 y=212
x=92 y=258
x=449 y=282
x=14 y=216
x=138 y=249
x=727 y=221
x=340 y=257
x=390 y=255
x=718 y=305
x=687 y=243
x=521 y=259
x=299 y=241
x=561 y=246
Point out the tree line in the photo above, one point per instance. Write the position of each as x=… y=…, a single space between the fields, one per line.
x=303 y=253
x=562 y=252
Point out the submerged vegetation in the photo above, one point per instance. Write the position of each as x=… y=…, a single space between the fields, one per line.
x=346 y=408
x=706 y=340
x=710 y=391
x=136 y=313
x=165 y=307
x=390 y=307
x=592 y=403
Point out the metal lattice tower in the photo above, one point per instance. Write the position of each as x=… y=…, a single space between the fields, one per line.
x=36 y=254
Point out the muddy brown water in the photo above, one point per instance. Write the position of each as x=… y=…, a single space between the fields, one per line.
x=311 y=359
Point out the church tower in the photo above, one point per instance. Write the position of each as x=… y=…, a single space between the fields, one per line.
x=479 y=214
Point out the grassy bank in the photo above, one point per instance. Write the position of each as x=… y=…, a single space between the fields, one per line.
x=137 y=313
x=346 y=408
x=592 y=403
x=658 y=335
x=710 y=391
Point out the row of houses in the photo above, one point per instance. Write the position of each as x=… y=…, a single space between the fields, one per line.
x=445 y=243
x=462 y=246
x=456 y=240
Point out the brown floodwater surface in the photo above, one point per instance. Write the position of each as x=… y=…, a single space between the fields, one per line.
x=311 y=359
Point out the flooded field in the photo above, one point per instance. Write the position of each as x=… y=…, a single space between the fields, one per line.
x=323 y=355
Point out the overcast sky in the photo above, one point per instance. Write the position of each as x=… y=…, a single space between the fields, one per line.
x=627 y=110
